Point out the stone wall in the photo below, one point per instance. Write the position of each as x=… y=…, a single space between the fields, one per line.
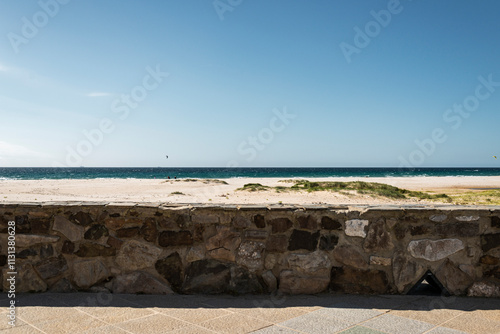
x=190 y=249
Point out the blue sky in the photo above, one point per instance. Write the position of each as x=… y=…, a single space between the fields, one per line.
x=249 y=83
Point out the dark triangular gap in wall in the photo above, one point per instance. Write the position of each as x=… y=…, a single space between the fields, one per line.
x=428 y=285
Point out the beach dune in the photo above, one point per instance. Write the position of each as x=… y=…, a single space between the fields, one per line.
x=225 y=190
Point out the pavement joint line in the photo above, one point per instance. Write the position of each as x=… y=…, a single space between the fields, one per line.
x=192 y=323
x=38 y=329
x=276 y=323
x=29 y=324
x=292 y=329
x=458 y=315
x=196 y=325
x=181 y=320
x=425 y=322
x=226 y=315
x=107 y=323
x=32 y=325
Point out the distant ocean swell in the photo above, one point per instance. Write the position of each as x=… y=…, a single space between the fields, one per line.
x=223 y=173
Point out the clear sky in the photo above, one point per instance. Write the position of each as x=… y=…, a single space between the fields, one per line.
x=249 y=83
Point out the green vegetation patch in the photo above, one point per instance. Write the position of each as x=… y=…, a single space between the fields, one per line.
x=177 y=193
x=206 y=181
x=254 y=187
x=368 y=188
x=483 y=197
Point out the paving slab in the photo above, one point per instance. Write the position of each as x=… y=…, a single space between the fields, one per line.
x=348 y=314
x=276 y=330
x=156 y=323
x=444 y=330
x=317 y=323
x=361 y=330
x=234 y=323
x=473 y=323
x=395 y=325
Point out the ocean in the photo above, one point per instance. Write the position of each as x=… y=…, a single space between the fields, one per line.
x=40 y=173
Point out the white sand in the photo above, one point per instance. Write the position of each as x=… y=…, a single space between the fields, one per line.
x=160 y=191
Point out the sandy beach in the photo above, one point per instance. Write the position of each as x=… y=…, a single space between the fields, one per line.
x=210 y=191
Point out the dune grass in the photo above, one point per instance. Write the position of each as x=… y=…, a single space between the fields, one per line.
x=481 y=197
x=254 y=187
x=177 y=193
x=366 y=188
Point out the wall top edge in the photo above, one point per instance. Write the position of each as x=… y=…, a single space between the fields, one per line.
x=235 y=206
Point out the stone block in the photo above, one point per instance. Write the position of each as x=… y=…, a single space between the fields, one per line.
x=270 y=281
x=328 y=223
x=256 y=234
x=259 y=221
x=434 y=250
x=380 y=261
x=172 y=238
x=51 y=267
x=460 y=229
x=68 y=247
x=93 y=250
x=204 y=219
x=280 y=225
x=453 y=279
x=223 y=244
x=195 y=254
x=114 y=242
x=81 y=218
x=356 y=227
x=140 y=282
x=134 y=255
x=350 y=256
x=378 y=238
x=438 y=218
x=149 y=230
x=40 y=226
x=490 y=241
x=250 y=255
x=495 y=222
x=96 y=232
x=116 y=223
x=270 y=261
x=22 y=224
x=172 y=270
x=62 y=286
x=467 y=218
x=27 y=280
x=307 y=222
x=241 y=222
x=328 y=242
x=277 y=243
x=290 y=283
x=28 y=240
x=303 y=240
x=420 y=230
x=244 y=282
x=127 y=232
x=206 y=276
x=489 y=260
x=89 y=272
x=316 y=264
x=484 y=288
x=405 y=272
x=358 y=281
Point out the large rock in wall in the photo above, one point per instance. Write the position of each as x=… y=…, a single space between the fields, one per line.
x=240 y=250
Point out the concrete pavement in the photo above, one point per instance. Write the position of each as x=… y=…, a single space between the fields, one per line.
x=53 y=313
